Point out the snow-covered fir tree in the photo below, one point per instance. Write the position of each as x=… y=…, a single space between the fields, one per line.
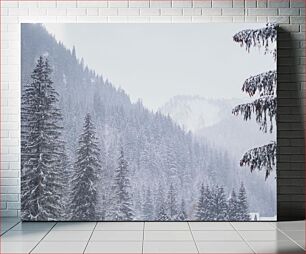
x=42 y=148
x=87 y=169
x=243 y=208
x=264 y=108
x=162 y=214
x=219 y=205
x=172 y=203
x=148 y=208
x=204 y=210
x=122 y=209
x=182 y=215
x=233 y=207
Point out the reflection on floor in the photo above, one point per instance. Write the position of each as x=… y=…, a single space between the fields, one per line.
x=152 y=237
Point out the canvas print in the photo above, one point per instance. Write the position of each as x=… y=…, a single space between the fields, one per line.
x=148 y=122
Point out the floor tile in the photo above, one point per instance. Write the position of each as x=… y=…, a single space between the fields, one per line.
x=33 y=226
x=69 y=236
x=114 y=247
x=296 y=235
x=107 y=236
x=166 y=226
x=291 y=225
x=60 y=247
x=169 y=247
x=17 y=247
x=22 y=236
x=274 y=235
x=216 y=236
x=223 y=247
x=167 y=236
x=221 y=226
x=119 y=226
x=276 y=247
x=9 y=220
x=67 y=226
x=253 y=226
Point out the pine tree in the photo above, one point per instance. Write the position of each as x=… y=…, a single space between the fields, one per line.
x=148 y=208
x=162 y=213
x=233 y=207
x=219 y=205
x=86 y=174
x=264 y=108
x=182 y=216
x=243 y=208
x=42 y=150
x=122 y=209
x=200 y=212
x=172 y=203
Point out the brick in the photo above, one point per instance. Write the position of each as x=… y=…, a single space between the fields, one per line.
x=180 y=19
x=202 y=3
x=67 y=19
x=297 y=20
x=9 y=4
x=278 y=3
x=10 y=189
x=279 y=20
x=128 y=12
x=222 y=19
x=250 y=3
x=192 y=11
x=118 y=4
x=297 y=3
x=138 y=19
x=56 y=12
x=9 y=181
x=47 y=4
x=150 y=12
x=66 y=4
x=182 y=3
x=18 y=12
x=172 y=11
x=222 y=3
x=76 y=11
x=289 y=11
x=9 y=173
x=92 y=11
x=108 y=11
x=239 y=19
x=201 y=19
x=139 y=4
x=160 y=4
x=238 y=3
x=262 y=12
x=9 y=213
x=159 y=19
x=262 y=3
x=233 y=11
x=38 y=11
x=92 y=4
x=211 y=11
x=13 y=205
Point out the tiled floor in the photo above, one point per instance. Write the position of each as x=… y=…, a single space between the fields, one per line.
x=152 y=237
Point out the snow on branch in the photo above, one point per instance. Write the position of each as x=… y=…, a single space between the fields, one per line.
x=264 y=108
x=257 y=37
x=264 y=83
x=263 y=157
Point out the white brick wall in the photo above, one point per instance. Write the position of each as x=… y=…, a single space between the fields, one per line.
x=289 y=13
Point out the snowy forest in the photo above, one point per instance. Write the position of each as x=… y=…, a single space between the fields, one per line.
x=90 y=154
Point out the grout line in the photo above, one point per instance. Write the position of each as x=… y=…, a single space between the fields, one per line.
x=193 y=237
x=244 y=240
x=90 y=237
x=10 y=228
x=143 y=232
x=290 y=238
x=43 y=237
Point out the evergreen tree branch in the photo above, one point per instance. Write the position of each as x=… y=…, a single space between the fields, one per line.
x=260 y=158
x=264 y=109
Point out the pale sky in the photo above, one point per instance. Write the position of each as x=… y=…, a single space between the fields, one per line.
x=155 y=62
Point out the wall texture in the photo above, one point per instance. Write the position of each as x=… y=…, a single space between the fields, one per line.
x=290 y=14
